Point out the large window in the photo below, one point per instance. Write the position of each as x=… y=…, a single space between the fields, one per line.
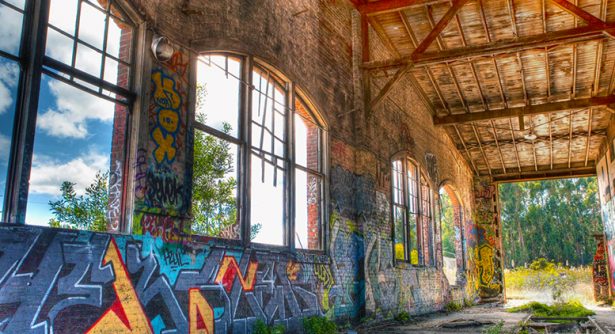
x=69 y=133
x=412 y=214
x=265 y=181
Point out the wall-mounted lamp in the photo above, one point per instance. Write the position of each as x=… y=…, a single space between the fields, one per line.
x=162 y=48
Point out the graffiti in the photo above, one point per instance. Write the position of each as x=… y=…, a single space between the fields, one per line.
x=168 y=102
x=115 y=196
x=162 y=227
x=325 y=277
x=229 y=270
x=486 y=268
x=432 y=167
x=140 y=167
x=122 y=284
x=292 y=270
x=126 y=315
x=201 y=314
x=600 y=272
x=164 y=190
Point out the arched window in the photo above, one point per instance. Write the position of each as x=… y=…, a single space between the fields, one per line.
x=452 y=233
x=412 y=214
x=258 y=172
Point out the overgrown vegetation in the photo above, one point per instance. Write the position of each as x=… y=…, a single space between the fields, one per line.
x=402 y=317
x=453 y=307
x=537 y=215
x=495 y=329
x=543 y=276
x=571 y=309
x=319 y=325
x=261 y=328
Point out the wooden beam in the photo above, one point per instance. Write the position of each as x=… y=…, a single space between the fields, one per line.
x=545 y=172
x=578 y=12
x=573 y=35
x=435 y=32
x=387 y=6
x=364 y=38
x=525 y=111
x=554 y=38
x=387 y=87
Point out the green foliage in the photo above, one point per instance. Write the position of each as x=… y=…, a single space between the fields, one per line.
x=448 y=225
x=453 y=307
x=537 y=215
x=402 y=316
x=84 y=212
x=468 y=302
x=570 y=309
x=495 y=329
x=261 y=328
x=319 y=325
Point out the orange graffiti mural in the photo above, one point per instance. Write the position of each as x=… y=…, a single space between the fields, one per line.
x=229 y=269
x=201 y=315
x=126 y=315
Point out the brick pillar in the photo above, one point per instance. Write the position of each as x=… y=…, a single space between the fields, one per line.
x=118 y=140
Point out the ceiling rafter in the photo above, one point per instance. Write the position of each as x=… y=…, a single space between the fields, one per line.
x=544 y=108
x=387 y=6
x=435 y=32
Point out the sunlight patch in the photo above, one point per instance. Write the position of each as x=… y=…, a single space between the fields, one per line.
x=74 y=108
x=48 y=173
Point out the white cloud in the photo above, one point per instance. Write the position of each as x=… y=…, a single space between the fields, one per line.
x=10 y=34
x=9 y=77
x=5 y=145
x=74 y=109
x=48 y=174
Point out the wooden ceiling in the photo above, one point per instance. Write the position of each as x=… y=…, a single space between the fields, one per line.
x=496 y=71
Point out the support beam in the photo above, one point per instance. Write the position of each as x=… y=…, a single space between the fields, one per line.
x=435 y=32
x=387 y=87
x=549 y=39
x=544 y=172
x=578 y=12
x=525 y=111
x=387 y=6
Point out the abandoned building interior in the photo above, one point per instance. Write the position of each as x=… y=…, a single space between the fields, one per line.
x=237 y=160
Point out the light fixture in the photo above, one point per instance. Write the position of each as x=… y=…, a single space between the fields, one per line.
x=162 y=48
x=530 y=136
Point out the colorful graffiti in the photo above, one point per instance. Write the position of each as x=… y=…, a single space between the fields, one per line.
x=168 y=102
x=600 y=272
x=122 y=284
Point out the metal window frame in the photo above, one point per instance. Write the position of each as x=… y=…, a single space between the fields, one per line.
x=250 y=65
x=34 y=64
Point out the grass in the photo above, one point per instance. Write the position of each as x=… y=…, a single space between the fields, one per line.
x=571 y=309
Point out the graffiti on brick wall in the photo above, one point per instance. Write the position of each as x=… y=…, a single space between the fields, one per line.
x=608 y=220
x=484 y=202
x=141 y=284
x=167 y=100
x=140 y=167
x=600 y=272
x=115 y=197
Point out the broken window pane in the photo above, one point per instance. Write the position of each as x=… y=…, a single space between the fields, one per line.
x=218 y=93
x=9 y=81
x=10 y=34
x=214 y=187
x=308 y=199
x=77 y=172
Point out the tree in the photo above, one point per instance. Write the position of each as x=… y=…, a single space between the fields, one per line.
x=84 y=212
x=448 y=225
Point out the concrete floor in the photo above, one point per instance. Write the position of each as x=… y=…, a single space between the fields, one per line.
x=493 y=314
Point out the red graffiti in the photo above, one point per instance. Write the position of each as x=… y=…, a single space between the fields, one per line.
x=229 y=270
x=161 y=227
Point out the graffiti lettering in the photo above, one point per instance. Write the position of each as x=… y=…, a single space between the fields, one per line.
x=161 y=227
x=229 y=270
x=115 y=196
x=140 y=174
x=168 y=103
x=164 y=190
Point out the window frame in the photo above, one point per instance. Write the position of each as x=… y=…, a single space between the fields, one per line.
x=249 y=64
x=34 y=63
x=419 y=175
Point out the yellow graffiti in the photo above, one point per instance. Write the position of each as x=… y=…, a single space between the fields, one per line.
x=165 y=146
x=292 y=270
x=201 y=315
x=165 y=94
x=325 y=277
x=229 y=270
x=485 y=266
x=126 y=314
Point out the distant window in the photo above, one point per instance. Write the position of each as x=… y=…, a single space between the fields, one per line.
x=76 y=175
x=412 y=214
x=270 y=149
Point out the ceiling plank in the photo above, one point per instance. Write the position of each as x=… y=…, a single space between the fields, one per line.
x=553 y=38
x=387 y=6
x=435 y=32
x=578 y=12
x=524 y=111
